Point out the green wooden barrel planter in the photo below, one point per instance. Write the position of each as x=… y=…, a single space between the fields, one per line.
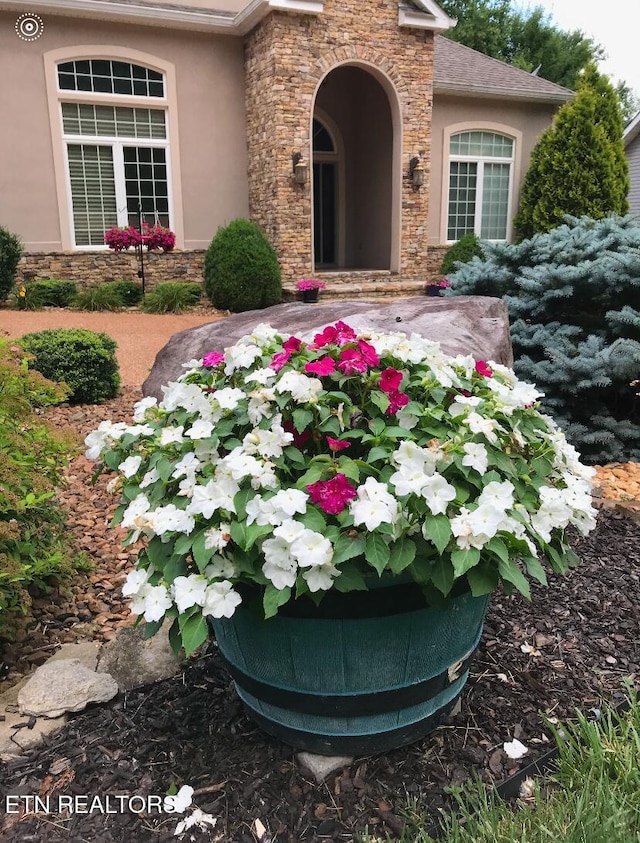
x=362 y=673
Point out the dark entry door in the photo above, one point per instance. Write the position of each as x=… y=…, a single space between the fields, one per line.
x=324 y=213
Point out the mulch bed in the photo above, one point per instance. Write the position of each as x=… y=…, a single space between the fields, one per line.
x=571 y=647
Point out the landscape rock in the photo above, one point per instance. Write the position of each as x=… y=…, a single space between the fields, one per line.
x=133 y=662
x=18 y=733
x=322 y=765
x=477 y=325
x=86 y=652
x=64 y=685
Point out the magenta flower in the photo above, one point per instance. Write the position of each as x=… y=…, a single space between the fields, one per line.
x=337 y=444
x=332 y=495
x=292 y=344
x=213 y=358
x=299 y=439
x=338 y=334
x=390 y=379
x=483 y=369
x=279 y=360
x=351 y=360
x=368 y=352
x=323 y=366
x=397 y=400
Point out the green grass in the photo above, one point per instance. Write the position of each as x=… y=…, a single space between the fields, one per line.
x=593 y=796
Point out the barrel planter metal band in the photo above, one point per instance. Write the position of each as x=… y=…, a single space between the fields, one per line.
x=329 y=681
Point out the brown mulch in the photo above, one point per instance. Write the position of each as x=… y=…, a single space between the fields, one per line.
x=572 y=646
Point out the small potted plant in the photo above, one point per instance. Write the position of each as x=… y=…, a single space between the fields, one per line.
x=339 y=507
x=437 y=285
x=310 y=289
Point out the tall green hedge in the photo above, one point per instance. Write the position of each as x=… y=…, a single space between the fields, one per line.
x=241 y=269
x=10 y=254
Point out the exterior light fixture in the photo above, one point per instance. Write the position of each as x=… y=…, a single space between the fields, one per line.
x=300 y=168
x=416 y=172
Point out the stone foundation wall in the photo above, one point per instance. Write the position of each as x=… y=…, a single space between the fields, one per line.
x=88 y=269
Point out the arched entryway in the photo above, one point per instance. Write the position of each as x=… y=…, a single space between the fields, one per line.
x=353 y=173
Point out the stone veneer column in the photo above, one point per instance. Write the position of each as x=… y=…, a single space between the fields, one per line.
x=286 y=57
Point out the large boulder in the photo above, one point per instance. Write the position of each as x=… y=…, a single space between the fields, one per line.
x=477 y=325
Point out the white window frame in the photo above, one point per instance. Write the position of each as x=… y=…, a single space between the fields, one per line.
x=514 y=161
x=168 y=103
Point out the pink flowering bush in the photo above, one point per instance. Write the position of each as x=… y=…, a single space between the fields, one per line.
x=153 y=237
x=310 y=284
x=301 y=464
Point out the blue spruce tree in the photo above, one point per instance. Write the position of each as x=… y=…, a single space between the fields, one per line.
x=574 y=302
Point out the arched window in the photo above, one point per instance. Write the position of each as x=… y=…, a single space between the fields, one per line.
x=115 y=137
x=480 y=185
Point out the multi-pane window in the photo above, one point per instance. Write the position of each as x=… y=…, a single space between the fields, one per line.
x=117 y=154
x=480 y=176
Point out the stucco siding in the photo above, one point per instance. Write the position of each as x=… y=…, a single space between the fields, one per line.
x=208 y=126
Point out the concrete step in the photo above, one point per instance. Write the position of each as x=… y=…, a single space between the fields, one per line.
x=383 y=289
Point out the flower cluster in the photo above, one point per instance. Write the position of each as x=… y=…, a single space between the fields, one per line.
x=299 y=464
x=442 y=282
x=310 y=284
x=153 y=237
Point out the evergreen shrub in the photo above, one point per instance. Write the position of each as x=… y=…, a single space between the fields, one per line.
x=129 y=293
x=172 y=297
x=82 y=359
x=574 y=300
x=32 y=533
x=241 y=269
x=462 y=251
x=10 y=254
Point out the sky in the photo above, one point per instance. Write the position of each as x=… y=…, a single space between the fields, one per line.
x=610 y=23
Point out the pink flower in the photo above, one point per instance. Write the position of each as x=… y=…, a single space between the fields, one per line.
x=369 y=354
x=323 y=366
x=351 y=360
x=483 y=369
x=310 y=284
x=396 y=401
x=390 y=380
x=337 y=444
x=338 y=334
x=279 y=360
x=213 y=358
x=345 y=332
x=292 y=344
x=332 y=495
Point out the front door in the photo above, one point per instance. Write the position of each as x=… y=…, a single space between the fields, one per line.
x=324 y=214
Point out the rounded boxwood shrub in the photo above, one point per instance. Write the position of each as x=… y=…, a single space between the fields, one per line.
x=129 y=293
x=10 y=254
x=462 y=251
x=46 y=292
x=82 y=359
x=241 y=270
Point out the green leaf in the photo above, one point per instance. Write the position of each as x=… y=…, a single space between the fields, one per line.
x=239 y=534
x=274 y=598
x=376 y=454
x=349 y=468
x=182 y=545
x=346 y=548
x=483 y=579
x=403 y=553
x=294 y=455
x=302 y=419
x=463 y=560
x=240 y=501
x=377 y=425
x=438 y=529
x=201 y=554
x=159 y=553
x=497 y=546
x=350 y=579
x=377 y=552
x=313 y=473
x=535 y=569
x=174 y=637
x=150 y=629
x=194 y=631
x=442 y=574
x=165 y=468
x=314 y=520
x=510 y=572
x=382 y=402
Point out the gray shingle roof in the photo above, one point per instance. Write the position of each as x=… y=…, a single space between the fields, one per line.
x=459 y=70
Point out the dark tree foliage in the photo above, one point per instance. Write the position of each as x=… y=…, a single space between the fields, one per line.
x=574 y=302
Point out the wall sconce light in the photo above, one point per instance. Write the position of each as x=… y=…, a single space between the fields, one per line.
x=300 y=168
x=416 y=172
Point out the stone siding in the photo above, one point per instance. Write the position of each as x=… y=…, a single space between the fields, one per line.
x=286 y=58
x=89 y=269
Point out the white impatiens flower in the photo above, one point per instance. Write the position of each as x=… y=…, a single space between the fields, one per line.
x=303 y=389
x=197 y=818
x=138 y=430
x=149 y=478
x=170 y=435
x=140 y=408
x=217 y=537
x=130 y=466
x=320 y=577
x=311 y=549
x=189 y=591
x=156 y=602
x=438 y=493
x=476 y=457
x=170 y=519
x=136 y=515
x=216 y=494
x=240 y=356
x=485 y=426
x=200 y=429
x=374 y=505
x=219 y=568
x=220 y=600
x=136 y=579
x=186 y=467
x=280 y=567
x=288 y=502
x=289 y=530
x=102 y=438
x=188 y=396
x=179 y=802
x=228 y=398
x=263 y=376
x=498 y=495
x=266 y=443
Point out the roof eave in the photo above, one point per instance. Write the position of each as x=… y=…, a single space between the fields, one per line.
x=492 y=92
x=632 y=130
x=436 y=21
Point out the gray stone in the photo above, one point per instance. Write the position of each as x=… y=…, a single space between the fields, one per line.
x=86 y=652
x=64 y=685
x=16 y=738
x=132 y=661
x=477 y=325
x=322 y=765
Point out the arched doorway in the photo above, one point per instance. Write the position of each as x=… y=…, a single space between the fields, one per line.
x=353 y=172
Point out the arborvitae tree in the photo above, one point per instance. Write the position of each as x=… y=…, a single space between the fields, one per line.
x=578 y=166
x=574 y=301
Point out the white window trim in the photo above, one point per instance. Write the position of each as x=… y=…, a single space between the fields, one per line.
x=514 y=174
x=168 y=103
